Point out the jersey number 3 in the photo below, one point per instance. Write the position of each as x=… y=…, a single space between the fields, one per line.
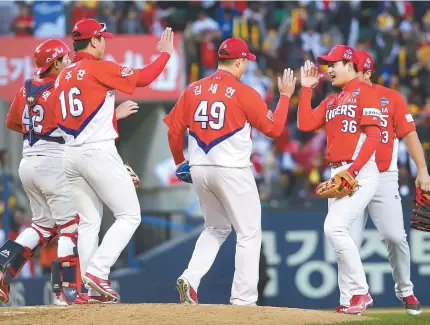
x=215 y=117
x=74 y=105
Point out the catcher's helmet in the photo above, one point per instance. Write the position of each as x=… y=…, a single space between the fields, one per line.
x=47 y=52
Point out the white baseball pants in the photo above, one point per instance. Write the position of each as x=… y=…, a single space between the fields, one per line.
x=51 y=200
x=386 y=212
x=342 y=213
x=228 y=196
x=97 y=174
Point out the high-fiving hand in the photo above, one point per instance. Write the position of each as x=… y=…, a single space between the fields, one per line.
x=166 y=41
x=309 y=75
x=287 y=84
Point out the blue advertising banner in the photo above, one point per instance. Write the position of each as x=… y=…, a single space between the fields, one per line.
x=49 y=19
x=301 y=264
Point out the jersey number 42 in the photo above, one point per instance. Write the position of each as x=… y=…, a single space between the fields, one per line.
x=74 y=105
x=213 y=116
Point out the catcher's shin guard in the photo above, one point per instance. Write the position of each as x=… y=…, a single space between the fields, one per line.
x=13 y=257
x=65 y=273
x=65 y=278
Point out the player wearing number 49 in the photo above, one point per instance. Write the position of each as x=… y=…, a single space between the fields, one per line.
x=385 y=208
x=85 y=112
x=219 y=112
x=352 y=121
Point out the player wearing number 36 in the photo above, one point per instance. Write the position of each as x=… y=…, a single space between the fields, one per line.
x=219 y=112
x=85 y=112
x=352 y=121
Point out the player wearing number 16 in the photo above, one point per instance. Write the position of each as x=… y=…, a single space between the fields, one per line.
x=352 y=121
x=85 y=112
x=219 y=112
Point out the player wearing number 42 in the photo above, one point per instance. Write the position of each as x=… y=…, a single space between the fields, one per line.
x=219 y=111
x=352 y=121
x=85 y=112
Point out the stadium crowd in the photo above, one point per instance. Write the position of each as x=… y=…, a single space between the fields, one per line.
x=282 y=34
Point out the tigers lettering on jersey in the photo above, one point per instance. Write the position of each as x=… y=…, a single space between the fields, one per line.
x=346 y=110
x=86 y=99
x=344 y=116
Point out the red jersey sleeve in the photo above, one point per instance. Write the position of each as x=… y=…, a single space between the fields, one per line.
x=114 y=76
x=369 y=107
x=14 y=116
x=259 y=116
x=176 y=120
x=403 y=120
x=309 y=119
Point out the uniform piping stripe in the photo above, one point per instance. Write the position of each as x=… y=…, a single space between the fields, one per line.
x=75 y=133
x=207 y=148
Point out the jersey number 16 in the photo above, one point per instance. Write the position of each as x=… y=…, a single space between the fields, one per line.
x=74 y=105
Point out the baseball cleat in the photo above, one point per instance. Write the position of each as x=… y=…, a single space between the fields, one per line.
x=101 y=286
x=359 y=304
x=187 y=295
x=412 y=305
x=82 y=299
x=341 y=309
x=101 y=300
x=4 y=293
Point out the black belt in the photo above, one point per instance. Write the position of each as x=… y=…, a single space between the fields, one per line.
x=36 y=137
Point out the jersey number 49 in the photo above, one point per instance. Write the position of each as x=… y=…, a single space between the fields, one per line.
x=214 y=117
x=73 y=105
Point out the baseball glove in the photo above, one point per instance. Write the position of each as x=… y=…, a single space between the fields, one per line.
x=420 y=218
x=183 y=173
x=340 y=185
x=134 y=177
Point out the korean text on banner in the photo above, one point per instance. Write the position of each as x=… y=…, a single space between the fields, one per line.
x=134 y=51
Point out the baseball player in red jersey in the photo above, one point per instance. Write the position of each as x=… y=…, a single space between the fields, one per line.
x=219 y=112
x=42 y=176
x=352 y=121
x=85 y=112
x=385 y=208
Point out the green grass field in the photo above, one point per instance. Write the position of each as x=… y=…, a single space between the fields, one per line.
x=393 y=317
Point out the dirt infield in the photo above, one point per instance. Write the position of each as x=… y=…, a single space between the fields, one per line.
x=167 y=314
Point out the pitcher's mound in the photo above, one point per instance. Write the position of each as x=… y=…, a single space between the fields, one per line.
x=168 y=314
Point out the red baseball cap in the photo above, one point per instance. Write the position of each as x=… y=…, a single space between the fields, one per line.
x=89 y=28
x=235 y=48
x=339 y=53
x=365 y=60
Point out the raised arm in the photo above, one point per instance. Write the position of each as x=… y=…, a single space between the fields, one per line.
x=259 y=116
x=309 y=119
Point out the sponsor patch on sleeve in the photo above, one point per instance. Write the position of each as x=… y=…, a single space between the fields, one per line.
x=371 y=111
x=409 y=118
x=269 y=115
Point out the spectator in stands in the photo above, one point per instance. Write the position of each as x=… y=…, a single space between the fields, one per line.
x=108 y=16
x=8 y=11
x=82 y=10
x=130 y=24
x=23 y=24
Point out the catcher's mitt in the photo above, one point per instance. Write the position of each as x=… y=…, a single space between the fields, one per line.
x=340 y=185
x=134 y=177
x=420 y=218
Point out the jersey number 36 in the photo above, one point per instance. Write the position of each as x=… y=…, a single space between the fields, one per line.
x=214 y=117
x=73 y=106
